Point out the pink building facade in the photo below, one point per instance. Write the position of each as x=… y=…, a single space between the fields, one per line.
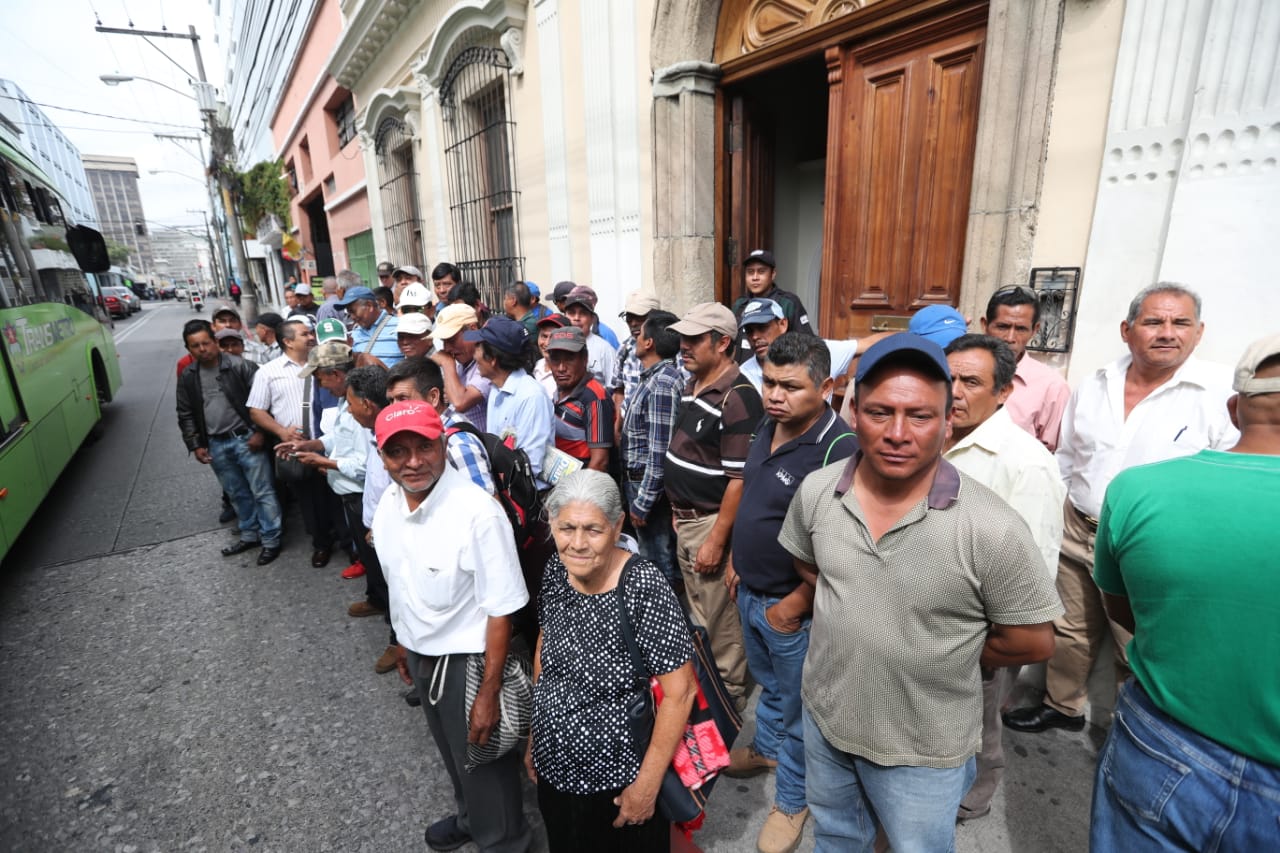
x=315 y=136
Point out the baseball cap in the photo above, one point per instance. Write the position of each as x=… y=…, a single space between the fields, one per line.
x=640 y=303
x=270 y=319
x=228 y=333
x=707 y=317
x=907 y=347
x=453 y=318
x=941 y=324
x=360 y=292
x=330 y=330
x=501 y=333
x=760 y=311
x=760 y=256
x=1247 y=381
x=417 y=294
x=386 y=268
x=412 y=416
x=562 y=290
x=558 y=320
x=534 y=290
x=408 y=270
x=413 y=324
x=569 y=339
x=331 y=354
x=581 y=295
x=225 y=309
x=302 y=288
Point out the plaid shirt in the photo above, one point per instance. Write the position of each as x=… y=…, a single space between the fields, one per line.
x=466 y=453
x=627 y=373
x=646 y=429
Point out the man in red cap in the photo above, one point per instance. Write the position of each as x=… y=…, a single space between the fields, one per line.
x=454 y=582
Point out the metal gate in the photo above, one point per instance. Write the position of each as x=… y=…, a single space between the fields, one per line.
x=475 y=97
x=397 y=183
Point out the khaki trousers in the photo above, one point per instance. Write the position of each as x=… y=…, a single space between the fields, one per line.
x=1080 y=630
x=711 y=607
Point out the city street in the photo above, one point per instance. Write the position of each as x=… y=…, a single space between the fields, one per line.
x=160 y=697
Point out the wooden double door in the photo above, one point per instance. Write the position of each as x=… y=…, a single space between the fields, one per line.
x=901 y=134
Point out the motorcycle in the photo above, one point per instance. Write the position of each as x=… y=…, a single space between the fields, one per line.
x=197 y=303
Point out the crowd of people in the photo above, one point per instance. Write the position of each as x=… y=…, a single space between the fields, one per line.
x=880 y=571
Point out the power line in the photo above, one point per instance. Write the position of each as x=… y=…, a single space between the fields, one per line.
x=101 y=115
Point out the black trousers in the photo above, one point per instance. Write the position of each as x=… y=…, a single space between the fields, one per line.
x=375 y=582
x=577 y=822
x=321 y=510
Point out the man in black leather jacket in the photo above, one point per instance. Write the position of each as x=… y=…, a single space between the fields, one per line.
x=214 y=419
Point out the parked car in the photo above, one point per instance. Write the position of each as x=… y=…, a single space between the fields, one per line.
x=125 y=295
x=165 y=291
x=115 y=306
x=180 y=292
x=149 y=293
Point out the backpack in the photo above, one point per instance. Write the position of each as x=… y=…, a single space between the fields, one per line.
x=514 y=484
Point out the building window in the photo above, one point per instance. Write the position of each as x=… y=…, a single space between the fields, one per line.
x=344 y=116
x=397 y=185
x=475 y=97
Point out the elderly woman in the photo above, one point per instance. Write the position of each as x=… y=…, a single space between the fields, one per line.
x=597 y=788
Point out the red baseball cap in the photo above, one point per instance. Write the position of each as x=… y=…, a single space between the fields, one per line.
x=412 y=416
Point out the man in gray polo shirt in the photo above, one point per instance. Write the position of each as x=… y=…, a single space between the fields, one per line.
x=920 y=579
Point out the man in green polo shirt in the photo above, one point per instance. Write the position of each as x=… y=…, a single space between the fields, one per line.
x=1187 y=558
x=920 y=579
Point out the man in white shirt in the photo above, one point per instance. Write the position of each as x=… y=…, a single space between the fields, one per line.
x=763 y=321
x=454 y=581
x=987 y=445
x=1156 y=403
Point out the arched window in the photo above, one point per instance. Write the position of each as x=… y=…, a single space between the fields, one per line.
x=398 y=186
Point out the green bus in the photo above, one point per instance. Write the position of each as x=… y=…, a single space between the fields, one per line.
x=58 y=361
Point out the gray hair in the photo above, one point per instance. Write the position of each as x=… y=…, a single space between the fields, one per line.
x=589 y=487
x=1162 y=287
x=330 y=285
x=348 y=279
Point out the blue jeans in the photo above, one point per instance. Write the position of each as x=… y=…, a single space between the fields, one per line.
x=777 y=662
x=657 y=538
x=847 y=795
x=1162 y=786
x=248 y=479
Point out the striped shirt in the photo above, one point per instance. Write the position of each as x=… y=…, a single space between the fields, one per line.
x=710 y=442
x=467 y=453
x=647 y=423
x=278 y=390
x=469 y=376
x=584 y=419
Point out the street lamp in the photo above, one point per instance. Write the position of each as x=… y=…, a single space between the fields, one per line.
x=175 y=172
x=204 y=96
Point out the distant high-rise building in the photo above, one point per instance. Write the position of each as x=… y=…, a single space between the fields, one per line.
x=114 y=183
x=52 y=152
x=180 y=255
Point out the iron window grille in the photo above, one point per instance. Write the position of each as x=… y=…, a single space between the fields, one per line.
x=475 y=100
x=344 y=116
x=398 y=187
x=1058 y=290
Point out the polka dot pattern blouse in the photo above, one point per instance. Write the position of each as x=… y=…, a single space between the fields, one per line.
x=581 y=744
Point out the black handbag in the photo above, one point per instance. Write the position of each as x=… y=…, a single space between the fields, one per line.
x=677 y=802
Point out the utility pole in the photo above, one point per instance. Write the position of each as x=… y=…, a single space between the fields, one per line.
x=222 y=143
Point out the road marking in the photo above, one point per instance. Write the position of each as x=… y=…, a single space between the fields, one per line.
x=120 y=338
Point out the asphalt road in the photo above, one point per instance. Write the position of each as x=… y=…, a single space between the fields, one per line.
x=155 y=696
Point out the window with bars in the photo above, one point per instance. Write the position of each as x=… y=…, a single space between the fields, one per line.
x=344 y=116
x=397 y=186
x=475 y=98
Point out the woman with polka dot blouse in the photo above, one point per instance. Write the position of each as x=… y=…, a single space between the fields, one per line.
x=596 y=789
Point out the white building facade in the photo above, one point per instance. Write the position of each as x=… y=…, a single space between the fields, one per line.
x=52 y=152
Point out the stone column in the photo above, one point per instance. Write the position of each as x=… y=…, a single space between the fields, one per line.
x=684 y=200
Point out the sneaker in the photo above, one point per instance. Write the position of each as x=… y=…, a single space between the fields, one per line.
x=387 y=662
x=446 y=834
x=781 y=831
x=744 y=761
x=364 y=608
x=353 y=571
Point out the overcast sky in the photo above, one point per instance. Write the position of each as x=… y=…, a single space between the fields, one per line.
x=50 y=49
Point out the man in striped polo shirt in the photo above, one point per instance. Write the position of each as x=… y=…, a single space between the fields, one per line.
x=584 y=412
x=714 y=427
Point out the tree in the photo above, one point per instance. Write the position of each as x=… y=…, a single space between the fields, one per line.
x=262 y=192
x=118 y=254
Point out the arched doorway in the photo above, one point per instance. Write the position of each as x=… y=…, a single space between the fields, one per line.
x=846 y=137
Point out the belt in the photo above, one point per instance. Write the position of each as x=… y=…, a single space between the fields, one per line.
x=684 y=514
x=242 y=432
x=1089 y=521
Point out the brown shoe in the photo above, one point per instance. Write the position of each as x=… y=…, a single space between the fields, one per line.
x=781 y=831
x=364 y=608
x=387 y=662
x=744 y=761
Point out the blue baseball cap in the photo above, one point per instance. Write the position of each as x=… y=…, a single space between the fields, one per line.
x=911 y=349
x=759 y=311
x=534 y=289
x=941 y=324
x=501 y=333
x=353 y=294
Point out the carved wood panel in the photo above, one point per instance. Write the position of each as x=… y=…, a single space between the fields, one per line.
x=748 y=25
